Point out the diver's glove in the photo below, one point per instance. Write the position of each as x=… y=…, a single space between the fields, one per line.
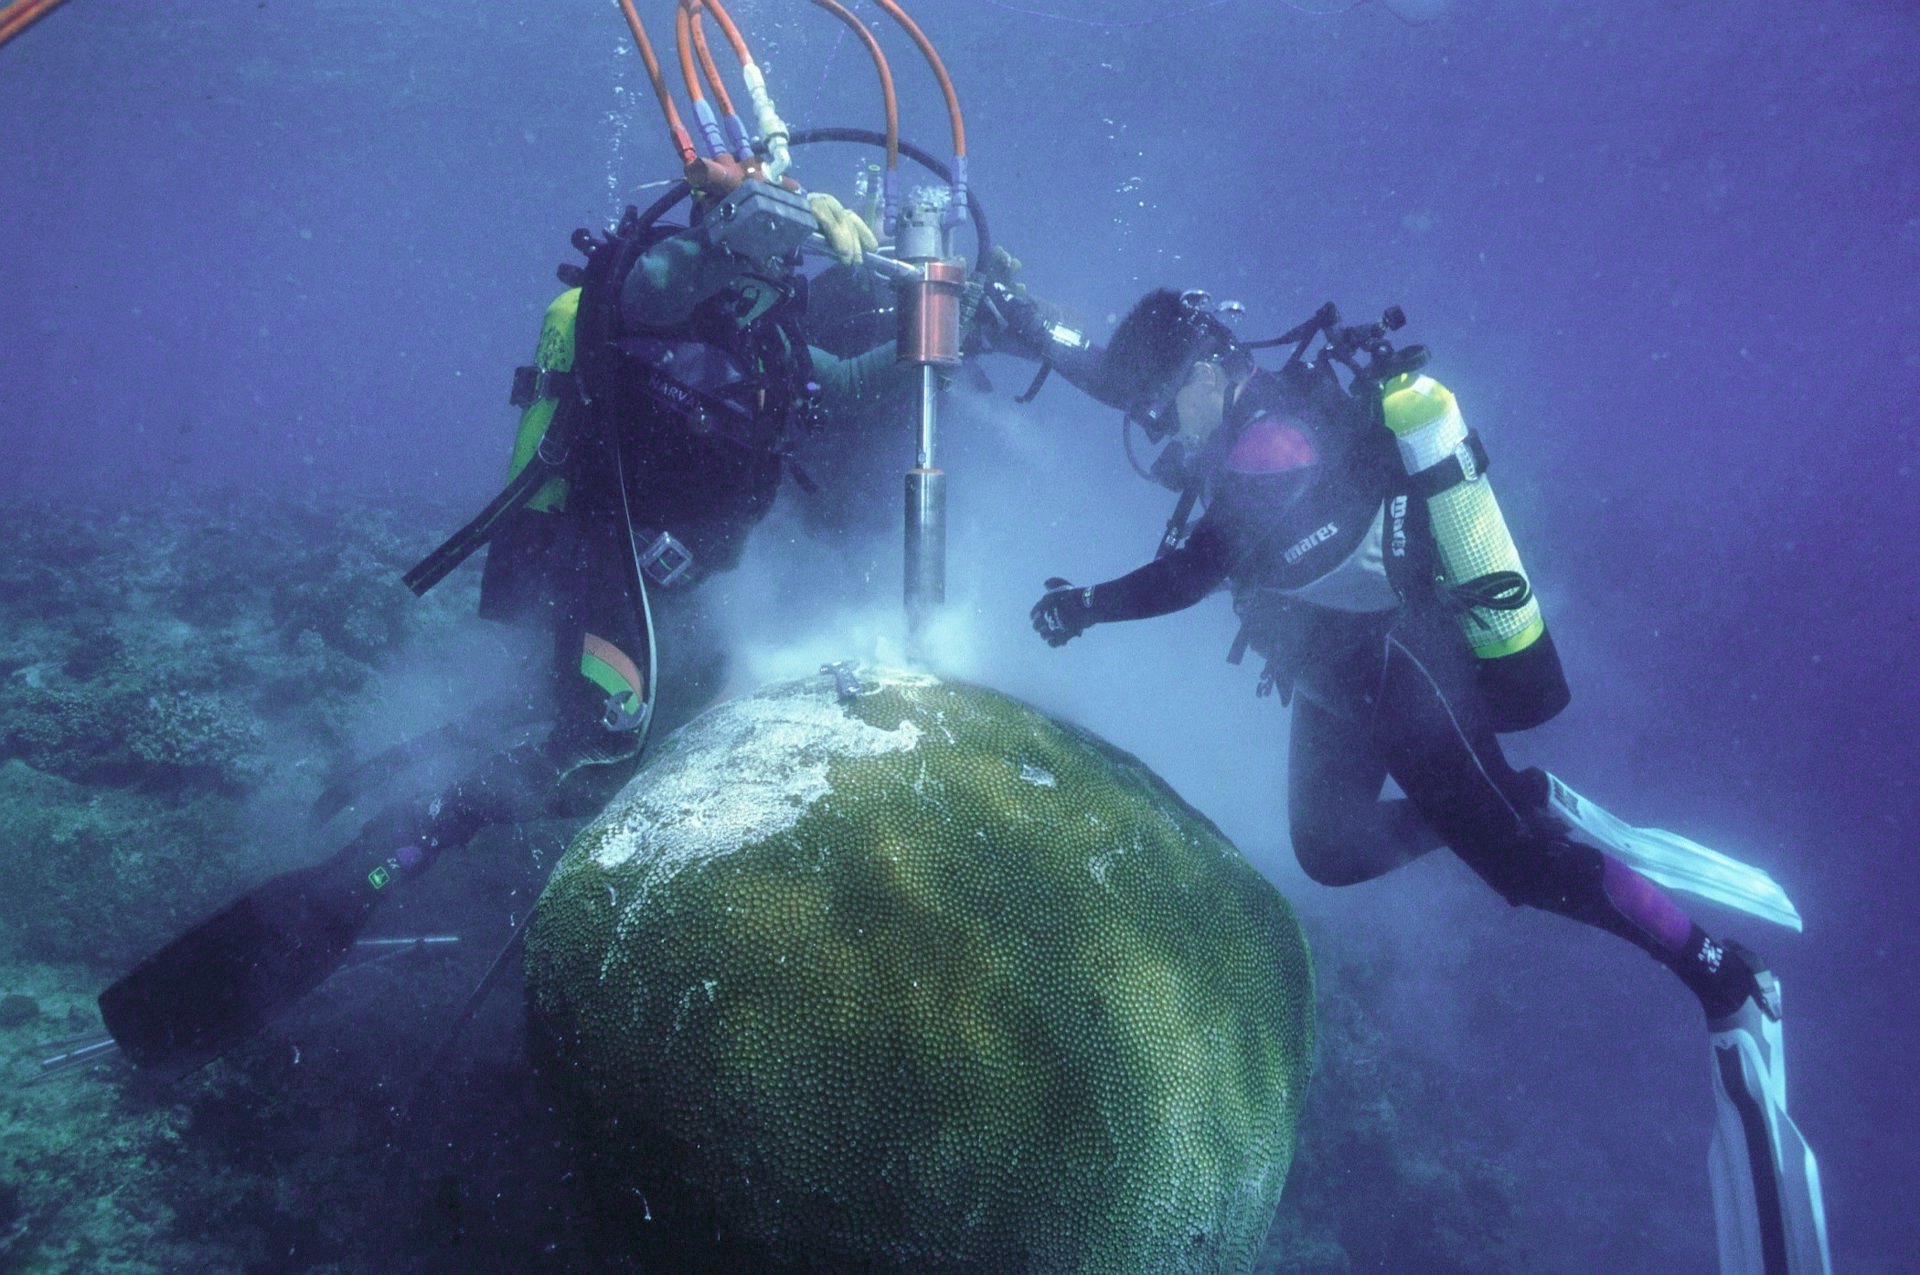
x=997 y=316
x=848 y=236
x=1064 y=613
x=1016 y=325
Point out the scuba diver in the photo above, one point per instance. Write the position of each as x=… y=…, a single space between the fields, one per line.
x=669 y=386
x=1370 y=565
x=672 y=385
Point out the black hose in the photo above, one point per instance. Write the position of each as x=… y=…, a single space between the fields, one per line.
x=866 y=136
x=1495 y=591
x=658 y=208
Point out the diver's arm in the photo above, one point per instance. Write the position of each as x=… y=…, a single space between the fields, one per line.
x=1081 y=362
x=1029 y=328
x=854 y=377
x=1165 y=585
x=1170 y=583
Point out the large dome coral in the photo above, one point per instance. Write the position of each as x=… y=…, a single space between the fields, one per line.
x=919 y=978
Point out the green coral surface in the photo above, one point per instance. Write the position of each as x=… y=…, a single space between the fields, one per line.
x=923 y=979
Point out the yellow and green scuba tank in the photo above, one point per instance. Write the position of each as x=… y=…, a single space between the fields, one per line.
x=554 y=354
x=538 y=391
x=1478 y=567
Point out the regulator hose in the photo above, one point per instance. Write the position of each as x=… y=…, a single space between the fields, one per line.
x=1495 y=591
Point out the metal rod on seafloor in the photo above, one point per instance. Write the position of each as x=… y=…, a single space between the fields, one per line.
x=77 y=1053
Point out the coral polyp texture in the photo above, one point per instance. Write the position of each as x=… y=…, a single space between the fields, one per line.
x=920 y=978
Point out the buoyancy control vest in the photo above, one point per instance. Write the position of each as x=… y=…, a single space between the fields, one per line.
x=1399 y=442
x=697 y=421
x=1323 y=523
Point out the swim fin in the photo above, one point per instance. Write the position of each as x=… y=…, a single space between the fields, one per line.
x=1672 y=860
x=225 y=978
x=1767 y=1204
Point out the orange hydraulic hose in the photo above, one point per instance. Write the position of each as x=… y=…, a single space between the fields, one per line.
x=681 y=141
x=683 y=45
x=845 y=15
x=684 y=16
x=772 y=128
x=715 y=84
x=727 y=28
x=939 y=72
x=17 y=17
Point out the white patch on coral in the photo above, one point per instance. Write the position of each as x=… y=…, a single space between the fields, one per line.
x=737 y=775
x=1100 y=863
x=1032 y=774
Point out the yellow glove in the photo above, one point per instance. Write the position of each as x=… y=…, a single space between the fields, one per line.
x=847 y=235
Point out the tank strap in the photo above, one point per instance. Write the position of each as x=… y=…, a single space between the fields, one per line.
x=533 y=383
x=1466 y=463
x=1277 y=622
x=1175 y=534
x=1495 y=591
x=1241 y=640
x=1408 y=549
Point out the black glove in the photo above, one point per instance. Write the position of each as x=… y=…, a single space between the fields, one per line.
x=1063 y=614
x=998 y=315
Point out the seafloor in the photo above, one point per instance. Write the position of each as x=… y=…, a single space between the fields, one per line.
x=178 y=683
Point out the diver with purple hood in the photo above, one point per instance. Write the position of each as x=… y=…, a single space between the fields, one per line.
x=1346 y=506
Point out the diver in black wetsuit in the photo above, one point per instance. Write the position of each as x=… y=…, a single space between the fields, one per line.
x=1340 y=579
x=668 y=390
x=1297 y=487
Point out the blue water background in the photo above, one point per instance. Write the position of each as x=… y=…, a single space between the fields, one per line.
x=1665 y=253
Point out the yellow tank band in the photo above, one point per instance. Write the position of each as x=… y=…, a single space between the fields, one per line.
x=1468 y=528
x=533 y=427
x=534 y=419
x=1514 y=645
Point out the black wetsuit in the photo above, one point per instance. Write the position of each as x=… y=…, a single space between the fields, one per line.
x=632 y=467
x=674 y=418
x=569 y=533
x=1300 y=488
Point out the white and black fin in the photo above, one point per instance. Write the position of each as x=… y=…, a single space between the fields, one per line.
x=1766 y=1183
x=1671 y=860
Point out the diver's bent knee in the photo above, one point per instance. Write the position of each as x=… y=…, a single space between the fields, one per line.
x=1324 y=857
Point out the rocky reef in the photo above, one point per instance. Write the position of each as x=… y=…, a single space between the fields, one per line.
x=178 y=681
x=161 y=668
